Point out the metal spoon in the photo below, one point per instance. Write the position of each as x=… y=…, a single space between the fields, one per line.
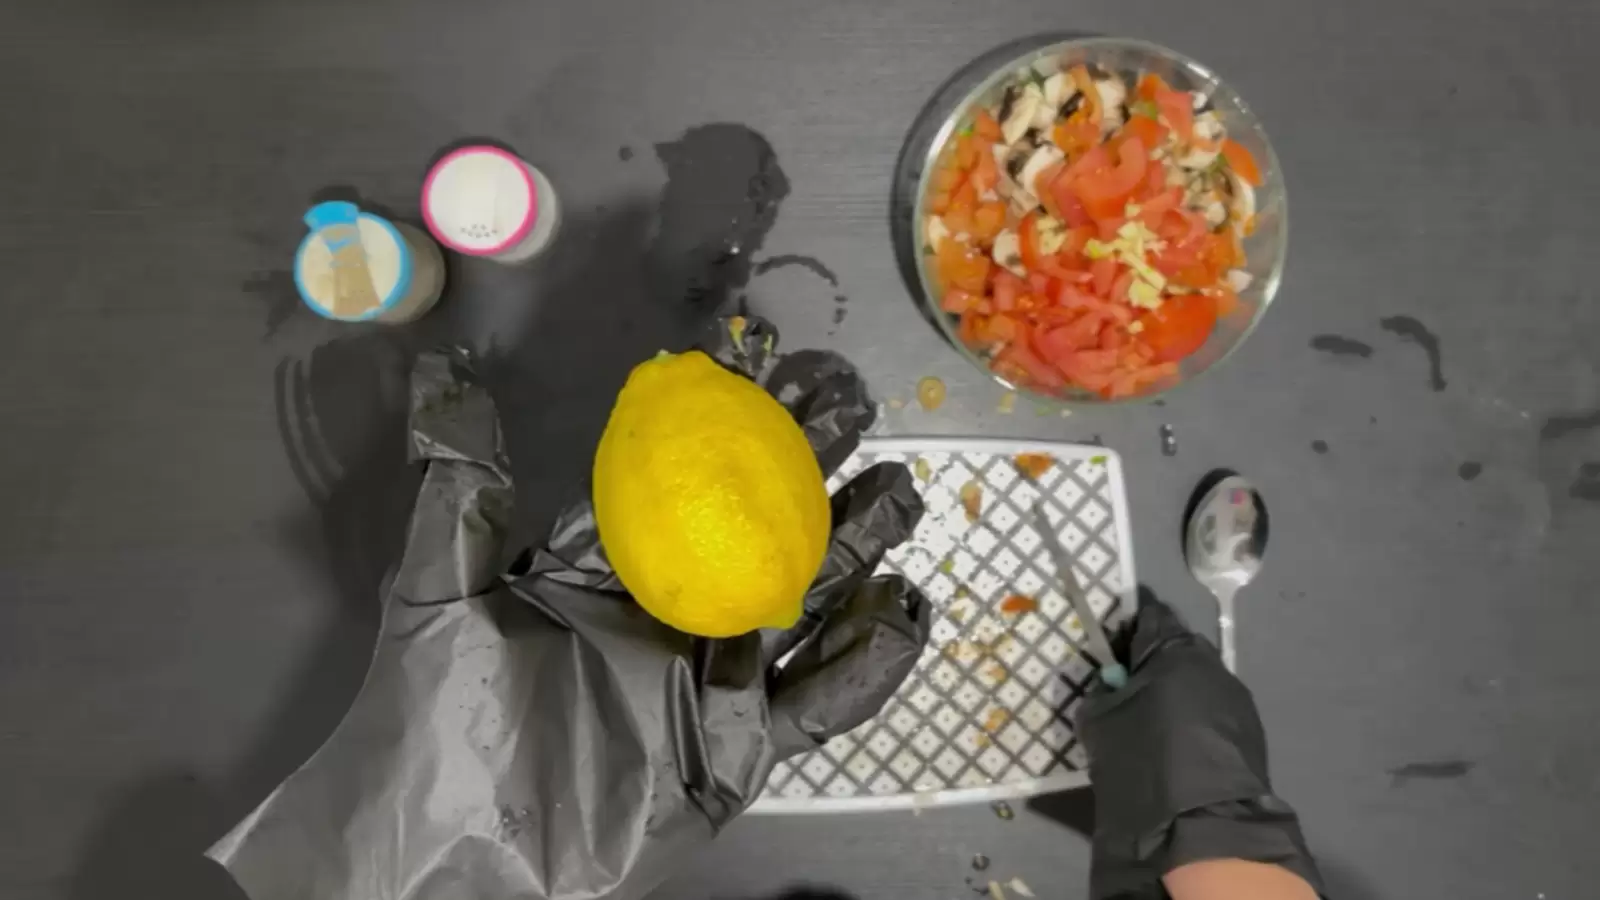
x=1224 y=539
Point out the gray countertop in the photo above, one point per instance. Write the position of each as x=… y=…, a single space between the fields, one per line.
x=203 y=483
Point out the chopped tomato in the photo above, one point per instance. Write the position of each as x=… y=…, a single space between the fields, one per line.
x=1178 y=109
x=946 y=180
x=1151 y=86
x=1105 y=194
x=985 y=173
x=1146 y=129
x=1073 y=297
x=1091 y=94
x=1028 y=240
x=1072 y=211
x=1228 y=302
x=962 y=267
x=1076 y=239
x=1004 y=328
x=986 y=127
x=1113 y=336
x=1154 y=209
x=1007 y=288
x=1042 y=185
x=1035 y=370
x=1155 y=180
x=1179 y=326
x=1093 y=160
x=957 y=301
x=1242 y=161
x=1119 y=288
x=1081 y=334
x=989 y=221
x=972 y=326
x=963 y=206
x=1105 y=274
x=968 y=148
x=1077 y=134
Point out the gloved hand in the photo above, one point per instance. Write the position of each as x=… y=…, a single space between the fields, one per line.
x=1178 y=760
x=536 y=734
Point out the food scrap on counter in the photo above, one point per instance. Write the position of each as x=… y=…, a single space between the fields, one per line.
x=930 y=393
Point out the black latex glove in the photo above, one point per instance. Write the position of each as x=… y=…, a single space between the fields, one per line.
x=1178 y=760
x=535 y=734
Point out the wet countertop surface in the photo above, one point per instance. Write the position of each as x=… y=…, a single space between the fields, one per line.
x=203 y=484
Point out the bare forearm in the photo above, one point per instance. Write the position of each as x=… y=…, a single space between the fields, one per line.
x=1236 y=879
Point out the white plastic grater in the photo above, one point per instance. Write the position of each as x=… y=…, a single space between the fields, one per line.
x=484 y=201
x=988 y=712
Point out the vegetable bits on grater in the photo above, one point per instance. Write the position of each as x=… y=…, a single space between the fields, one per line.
x=988 y=711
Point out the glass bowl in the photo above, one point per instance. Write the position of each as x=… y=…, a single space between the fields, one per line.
x=982 y=83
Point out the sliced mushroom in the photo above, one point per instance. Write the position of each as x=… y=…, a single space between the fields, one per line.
x=1215 y=212
x=1008 y=253
x=1072 y=104
x=1242 y=203
x=1208 y=127
x=1057 y=88
x=1237 y=280
x=1042 y=158
x=1020 y=115
x=1023 y=203
x=1008 y=100
x=1196 y=158
x=1209 y=132
x=1113 y=95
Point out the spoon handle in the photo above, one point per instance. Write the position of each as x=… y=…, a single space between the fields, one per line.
x=1225 y=628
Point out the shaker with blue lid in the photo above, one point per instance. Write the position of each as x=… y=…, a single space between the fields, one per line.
x=357 y=267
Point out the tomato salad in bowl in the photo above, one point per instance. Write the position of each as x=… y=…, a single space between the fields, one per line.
x=1093 y=219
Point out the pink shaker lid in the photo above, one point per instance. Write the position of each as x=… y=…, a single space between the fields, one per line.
x=480 y=200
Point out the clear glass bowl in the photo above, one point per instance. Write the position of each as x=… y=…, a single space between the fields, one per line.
x=983 y=82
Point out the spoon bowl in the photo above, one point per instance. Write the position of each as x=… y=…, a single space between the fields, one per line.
x=1224 y=540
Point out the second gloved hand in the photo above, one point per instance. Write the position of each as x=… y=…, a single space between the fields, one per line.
x=1178 y=760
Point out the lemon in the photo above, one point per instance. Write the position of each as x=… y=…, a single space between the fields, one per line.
x=710 y=503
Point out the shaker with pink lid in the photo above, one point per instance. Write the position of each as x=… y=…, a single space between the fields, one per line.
x=481 y=200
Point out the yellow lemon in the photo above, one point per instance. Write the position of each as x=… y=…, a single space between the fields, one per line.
x=710 y=503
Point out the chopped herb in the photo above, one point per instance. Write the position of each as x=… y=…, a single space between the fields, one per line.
x=1098 y=460
x=1146 y=108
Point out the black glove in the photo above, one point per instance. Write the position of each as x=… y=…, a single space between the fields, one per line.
x=1178 y=760
x=536 y=734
